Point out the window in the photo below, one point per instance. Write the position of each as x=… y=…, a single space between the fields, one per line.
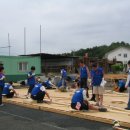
x=125 y=55
x=119 y=54
x=22 y=66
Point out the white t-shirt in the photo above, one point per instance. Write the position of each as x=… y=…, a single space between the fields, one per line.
x=42 y=88
x=11 y=87
x=128 y=79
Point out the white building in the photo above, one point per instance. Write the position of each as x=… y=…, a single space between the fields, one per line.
x=120 y=54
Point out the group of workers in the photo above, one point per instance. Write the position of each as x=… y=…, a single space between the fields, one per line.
x=37 y=89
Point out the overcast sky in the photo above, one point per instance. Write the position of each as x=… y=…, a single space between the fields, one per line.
x=66 y=24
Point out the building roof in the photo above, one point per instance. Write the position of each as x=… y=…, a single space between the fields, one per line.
x=115 y=50
x=51 y=56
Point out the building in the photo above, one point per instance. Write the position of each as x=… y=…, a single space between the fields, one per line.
x=54 y=62
x=16 y=67
x=121 y=54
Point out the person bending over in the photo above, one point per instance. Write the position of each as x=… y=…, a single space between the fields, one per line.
x=38 y=93
x=79 y=101
x=9 y=91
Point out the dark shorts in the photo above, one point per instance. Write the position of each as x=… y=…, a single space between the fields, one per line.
x=83 y=83
x=10 y=95
x=39 y=97
x=30 y=88
x=83 y=106
x=122 y=89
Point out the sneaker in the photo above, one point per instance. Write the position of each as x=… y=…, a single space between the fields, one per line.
x=116 y=123
x=127 y=108
x=1 y=105
x=103 y=109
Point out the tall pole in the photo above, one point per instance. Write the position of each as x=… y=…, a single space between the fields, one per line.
x=24 y=41
x=9 y=43
x=40 y=40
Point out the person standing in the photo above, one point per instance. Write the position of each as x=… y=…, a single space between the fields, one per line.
x=2 y=83
x=84 y=74
x=98 y=90
x=31 y=80
x=127 y=85
x=63 y=77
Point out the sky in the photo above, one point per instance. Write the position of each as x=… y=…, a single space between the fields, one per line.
x=66 y=25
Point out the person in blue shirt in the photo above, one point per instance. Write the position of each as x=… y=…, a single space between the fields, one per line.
x=31 y=80
x=2 y=83
x=49 y=84
x=63 y=77
x=121 y=85
x=97 y=77
x=39 y=91
x=84 y=75
x=79 y=101
x=127 y=85
x=9 y=91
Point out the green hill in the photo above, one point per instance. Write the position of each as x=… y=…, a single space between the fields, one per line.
x=98 y=51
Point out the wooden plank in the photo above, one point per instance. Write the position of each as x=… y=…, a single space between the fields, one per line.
x=61 y=105
x=118 y=101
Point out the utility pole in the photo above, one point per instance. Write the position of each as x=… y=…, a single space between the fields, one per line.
x=24 y=41
x=40 y=41
x=9 y=43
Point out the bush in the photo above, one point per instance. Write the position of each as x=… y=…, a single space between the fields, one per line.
x=117 y=68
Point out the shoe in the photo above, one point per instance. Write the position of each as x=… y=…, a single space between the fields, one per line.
x=103 y=109
x=1 y=105
x=127 y=108
x=40 y=101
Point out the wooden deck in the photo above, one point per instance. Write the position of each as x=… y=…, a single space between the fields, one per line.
x=115 y=102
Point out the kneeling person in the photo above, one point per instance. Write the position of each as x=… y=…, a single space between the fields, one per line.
x=79 y=101
x=38 y=93
x=49 y=84
x=8 y=90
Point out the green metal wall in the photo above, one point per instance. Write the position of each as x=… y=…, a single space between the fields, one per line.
x=11 y=66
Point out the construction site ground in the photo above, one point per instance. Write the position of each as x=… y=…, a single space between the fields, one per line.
x=14 y=117
x=115 y=102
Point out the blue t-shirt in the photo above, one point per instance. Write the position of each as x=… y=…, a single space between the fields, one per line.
x=36 y=89
x=48 y=84
x=97 y=76
x=121 y=83
x=63 y=73
x=6 y=89
x=83 y=72
x=31 y=80
x=78 y=96
x=2 y=82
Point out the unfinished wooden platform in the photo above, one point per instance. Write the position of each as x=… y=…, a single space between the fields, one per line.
x=115 y=103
